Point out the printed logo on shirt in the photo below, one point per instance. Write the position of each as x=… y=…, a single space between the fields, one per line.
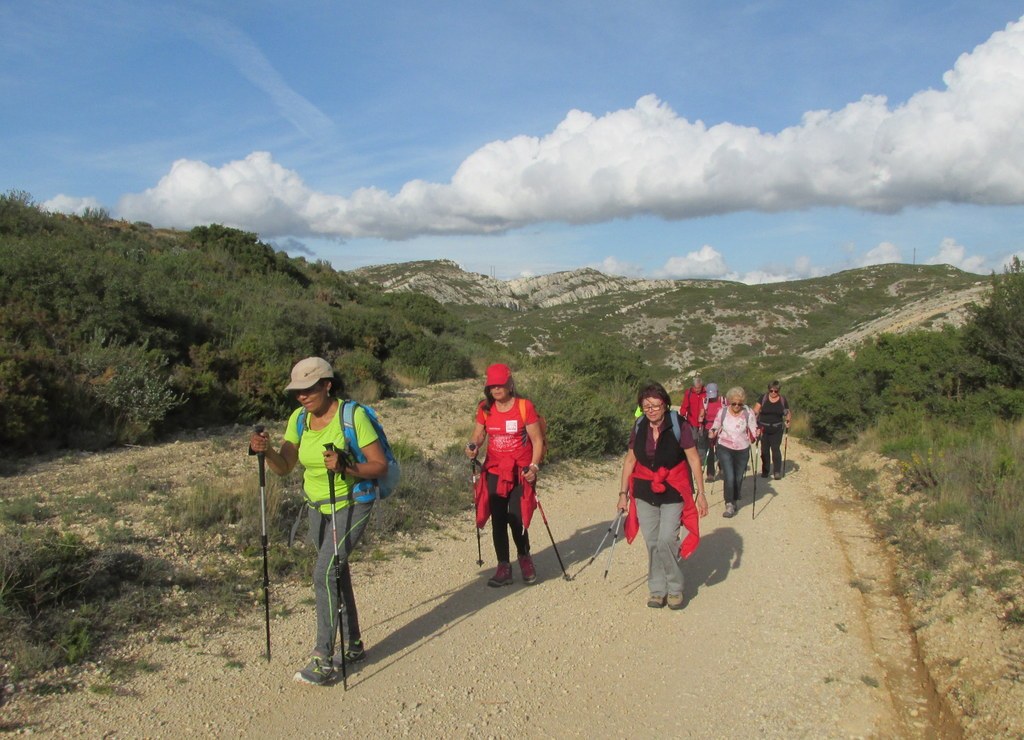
x=511 y=426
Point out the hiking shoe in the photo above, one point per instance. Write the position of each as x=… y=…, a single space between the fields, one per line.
x=709 y=479
x=730 y=510
x=318 y=672
x=764 y=473
x=526 y=566
x=502 y=576
x=356 y=653
x=778 y=476
x=676 y=601
x=655 y=602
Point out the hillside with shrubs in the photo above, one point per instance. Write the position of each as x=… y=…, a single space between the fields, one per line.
x=116 y=332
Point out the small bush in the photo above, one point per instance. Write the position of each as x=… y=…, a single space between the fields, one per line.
x=61 y=598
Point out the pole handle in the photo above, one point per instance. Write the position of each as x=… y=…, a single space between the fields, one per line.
x=261 y=458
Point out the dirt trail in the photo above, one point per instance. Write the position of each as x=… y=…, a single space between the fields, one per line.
x=779 y=637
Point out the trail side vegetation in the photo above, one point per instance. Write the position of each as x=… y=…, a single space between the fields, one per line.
x=949 y=407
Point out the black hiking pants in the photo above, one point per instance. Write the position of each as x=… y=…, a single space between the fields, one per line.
x=506 y=514
x=771 y=448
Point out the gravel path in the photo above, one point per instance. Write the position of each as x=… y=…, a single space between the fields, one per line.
x=779 y=638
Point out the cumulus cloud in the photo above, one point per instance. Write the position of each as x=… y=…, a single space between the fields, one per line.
x=951 y=253
x=615 y=266
x=71 y=205
x=706 y=262
x=963 y=143
x=883 y=254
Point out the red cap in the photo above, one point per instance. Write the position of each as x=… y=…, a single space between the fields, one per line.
x=498 y=374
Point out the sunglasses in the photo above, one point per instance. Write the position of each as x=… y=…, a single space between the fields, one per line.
x=652 y=406
x=736 y=405
x=308 y=391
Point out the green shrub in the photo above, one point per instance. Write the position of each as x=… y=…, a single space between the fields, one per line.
x=437 y=358
x=61 y=598
x=583 y=421
x=996 y=332
x=131 y=385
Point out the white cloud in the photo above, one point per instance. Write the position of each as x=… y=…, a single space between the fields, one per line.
x=961 y=144
x=883 y=254
x=615 y=266
x=1008 y=259
x=706 y=262
x=805 y=268
x=951 y=253
x=70 y=204
x=757 y=277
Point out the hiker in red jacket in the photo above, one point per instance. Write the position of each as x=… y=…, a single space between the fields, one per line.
x=713 y=404
x=657 y=495
x=692 y=409
x=505 y=491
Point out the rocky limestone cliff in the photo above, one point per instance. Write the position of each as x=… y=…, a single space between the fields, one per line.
x=447 y=282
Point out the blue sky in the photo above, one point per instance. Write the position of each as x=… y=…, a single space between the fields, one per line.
x=754 y=141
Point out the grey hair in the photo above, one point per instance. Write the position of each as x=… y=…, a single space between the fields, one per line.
x=737 y=393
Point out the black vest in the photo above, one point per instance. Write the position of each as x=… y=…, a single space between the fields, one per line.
x=667 y=454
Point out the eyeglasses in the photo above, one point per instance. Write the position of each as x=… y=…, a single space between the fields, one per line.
x=736 y=405
x=774 y=391
x=652 y=406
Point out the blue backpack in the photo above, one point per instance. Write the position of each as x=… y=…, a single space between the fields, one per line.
x=673 y=417
x=369 y=488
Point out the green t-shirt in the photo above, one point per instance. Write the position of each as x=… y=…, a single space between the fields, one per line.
x=311 y=455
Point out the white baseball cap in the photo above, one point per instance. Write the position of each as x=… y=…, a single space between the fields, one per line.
x=308 y=371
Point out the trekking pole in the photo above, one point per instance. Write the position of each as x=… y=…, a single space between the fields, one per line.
x=474 y=477
x=706 y=457
x=615 y=539
x=548 y=527
x=785 y=447
x=613 y=526
x=753 y=474
x=337 y=569
x=261 y=459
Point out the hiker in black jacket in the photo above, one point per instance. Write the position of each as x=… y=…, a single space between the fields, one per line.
x=773 y=416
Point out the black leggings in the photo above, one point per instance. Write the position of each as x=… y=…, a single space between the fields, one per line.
x=506 y=514
x=771 y=449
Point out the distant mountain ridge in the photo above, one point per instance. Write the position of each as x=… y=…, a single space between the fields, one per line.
x=446 y=282
x=684 y=325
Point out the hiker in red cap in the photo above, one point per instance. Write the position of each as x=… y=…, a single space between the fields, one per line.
x=505 y=491
x=656 y=493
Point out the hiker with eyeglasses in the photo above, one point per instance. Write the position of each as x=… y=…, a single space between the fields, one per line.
x=734 y=430
x=656 y=494
x=773 y=417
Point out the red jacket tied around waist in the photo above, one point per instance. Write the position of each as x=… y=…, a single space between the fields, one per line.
x=678 y=478
x=509 y=474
